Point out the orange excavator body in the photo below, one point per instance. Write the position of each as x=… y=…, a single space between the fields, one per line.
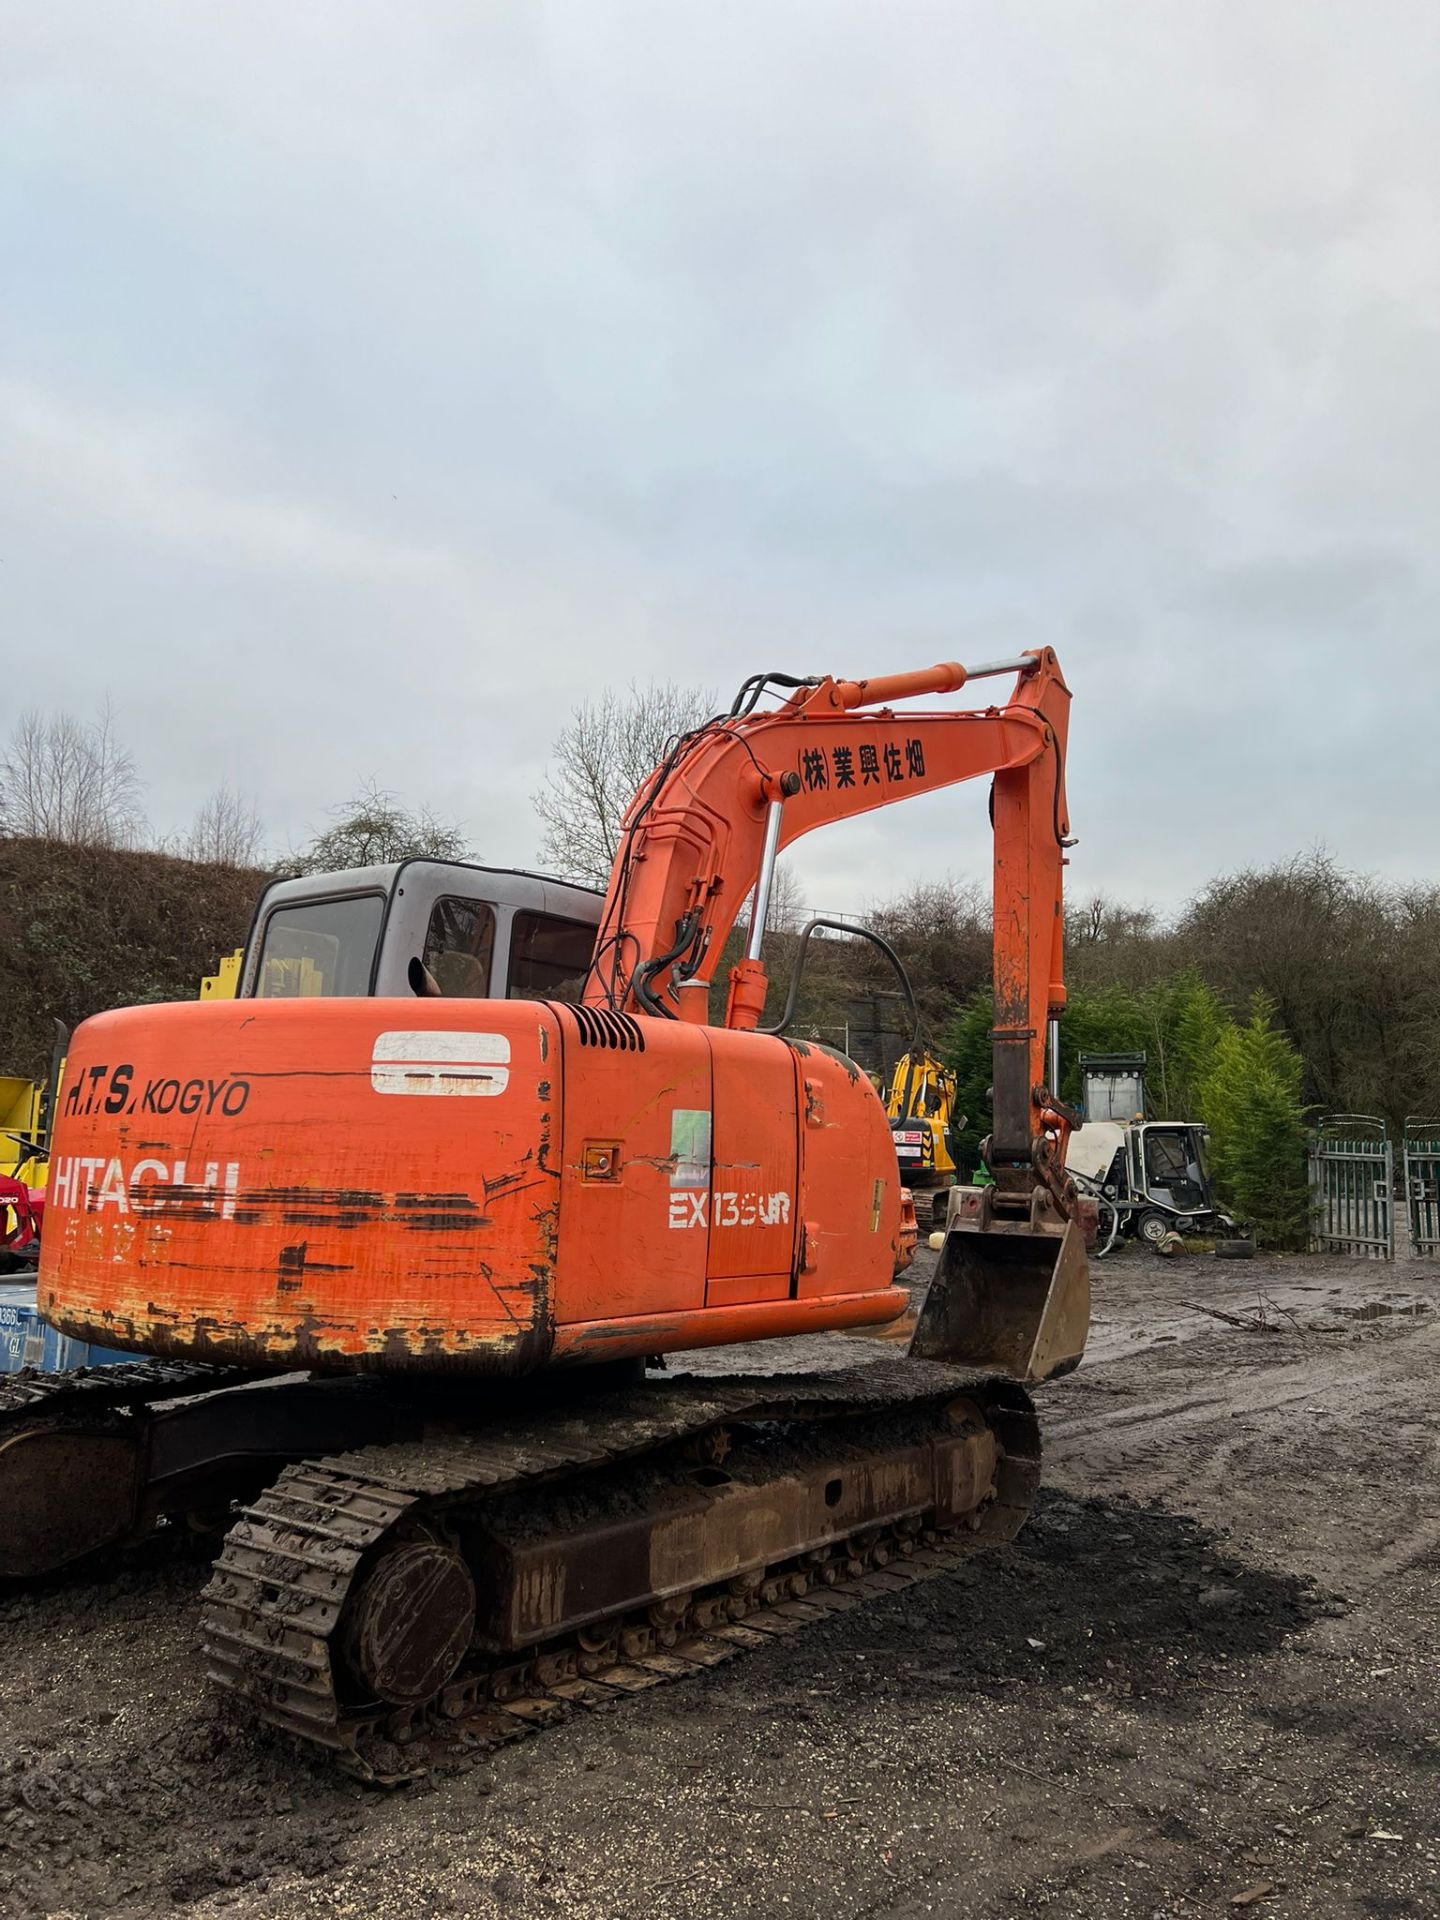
x=493 y=1186
x=502 y=1186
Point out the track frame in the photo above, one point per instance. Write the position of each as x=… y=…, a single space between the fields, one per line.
x=274 y=1626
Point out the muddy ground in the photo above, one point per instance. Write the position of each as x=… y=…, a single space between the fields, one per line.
x=1208 y=1671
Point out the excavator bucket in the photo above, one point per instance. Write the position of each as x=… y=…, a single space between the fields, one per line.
x=1012 y=1296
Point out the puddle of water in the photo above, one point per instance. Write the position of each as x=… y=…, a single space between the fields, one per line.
x=1386 y=1309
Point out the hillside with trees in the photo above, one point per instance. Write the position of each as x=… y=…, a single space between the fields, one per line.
x=83 y=928
x=94 y=915
x=1275 y=993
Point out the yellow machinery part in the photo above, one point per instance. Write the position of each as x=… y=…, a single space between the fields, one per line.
x=19 y=1113
x=224 y=983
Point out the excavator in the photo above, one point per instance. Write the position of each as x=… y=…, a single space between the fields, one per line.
x=921 y=1109
x=406 y=1229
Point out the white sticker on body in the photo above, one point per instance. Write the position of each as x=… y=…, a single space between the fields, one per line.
x=441 y=1064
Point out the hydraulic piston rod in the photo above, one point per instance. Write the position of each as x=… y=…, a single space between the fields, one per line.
x=948 y=677
x=764 y=880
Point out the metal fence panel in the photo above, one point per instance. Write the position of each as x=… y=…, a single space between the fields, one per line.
x=1422 y=1184
x=26 y=1340
x=1352 y=1183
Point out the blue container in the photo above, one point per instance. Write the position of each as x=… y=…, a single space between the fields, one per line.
x=26 y=1341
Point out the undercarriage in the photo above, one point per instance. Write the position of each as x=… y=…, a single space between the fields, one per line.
x=473 y=1578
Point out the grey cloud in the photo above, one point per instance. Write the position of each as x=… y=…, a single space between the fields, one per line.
x=376 y=383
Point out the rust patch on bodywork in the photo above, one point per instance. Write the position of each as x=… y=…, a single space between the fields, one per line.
x=852 y=1071
x=312 y=1219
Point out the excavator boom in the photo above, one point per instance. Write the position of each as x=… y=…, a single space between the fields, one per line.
x=730 y=797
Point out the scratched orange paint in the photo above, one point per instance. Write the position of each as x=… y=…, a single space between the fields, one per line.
x=457 y=1184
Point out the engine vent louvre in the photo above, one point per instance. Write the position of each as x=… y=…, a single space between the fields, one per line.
x=599 y=1027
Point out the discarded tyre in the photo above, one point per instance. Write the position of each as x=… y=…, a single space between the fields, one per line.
x=1235 y=1250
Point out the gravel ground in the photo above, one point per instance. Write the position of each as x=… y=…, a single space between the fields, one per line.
x=1207 y=1671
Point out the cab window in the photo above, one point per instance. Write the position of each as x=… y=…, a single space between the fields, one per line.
x=459 y=946
x=549 y=957
x=320 y=948
x=1165 y=1158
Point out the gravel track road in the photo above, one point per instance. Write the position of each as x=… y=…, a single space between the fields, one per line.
x=1209 y=1669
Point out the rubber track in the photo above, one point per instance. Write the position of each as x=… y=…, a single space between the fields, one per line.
x=90 y=1389
x=287 y=1566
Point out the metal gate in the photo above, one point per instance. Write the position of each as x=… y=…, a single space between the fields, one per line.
x=1422 y=1184
x=1352 y=1181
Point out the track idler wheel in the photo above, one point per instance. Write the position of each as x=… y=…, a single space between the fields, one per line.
x=65 y=1492
x=409 y=1622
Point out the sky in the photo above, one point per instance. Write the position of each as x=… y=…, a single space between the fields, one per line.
x=377 y=382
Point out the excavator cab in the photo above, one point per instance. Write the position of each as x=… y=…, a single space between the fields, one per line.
x=479 y=933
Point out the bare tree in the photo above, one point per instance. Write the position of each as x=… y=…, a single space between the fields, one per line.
x=374 y=828
x=944 y=934
x=227 y=831
x=1327 y=948
x=1111 y=944
x=787 y=913
x=598 y=761
x=71 y=780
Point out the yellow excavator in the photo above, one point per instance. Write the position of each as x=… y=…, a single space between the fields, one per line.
x=920 y=1107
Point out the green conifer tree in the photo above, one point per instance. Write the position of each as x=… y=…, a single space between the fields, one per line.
x=1250 y=1100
